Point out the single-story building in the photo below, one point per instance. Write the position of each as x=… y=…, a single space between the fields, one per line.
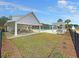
x=59 y=28
x=18 y=24
x=29 y=23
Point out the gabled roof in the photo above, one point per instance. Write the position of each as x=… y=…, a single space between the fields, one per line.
x=29 y=19
x=14 y=18
x=31 y=13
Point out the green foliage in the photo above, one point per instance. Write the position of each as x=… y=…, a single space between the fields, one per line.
x=76 y=25
x=67 y=21
x=69 y=25
x=3 y=20
x=59 y=20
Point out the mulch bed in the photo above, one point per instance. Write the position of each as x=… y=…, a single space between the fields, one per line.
x=8 y=49
x=67 y=46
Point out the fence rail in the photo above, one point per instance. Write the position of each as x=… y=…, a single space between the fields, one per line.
x=75 y=39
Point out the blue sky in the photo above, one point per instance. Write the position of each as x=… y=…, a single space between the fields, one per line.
x=47 y=11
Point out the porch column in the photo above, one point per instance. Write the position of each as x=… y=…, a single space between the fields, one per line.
x=27 y=28
x=39 y=28
x=15 y=29
x=52 y=28
x=30 y=27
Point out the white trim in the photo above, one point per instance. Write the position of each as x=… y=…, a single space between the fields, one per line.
x=39 y=28
x=15 y=29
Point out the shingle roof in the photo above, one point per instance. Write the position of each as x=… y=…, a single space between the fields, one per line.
x=14 y=18
x=29 y=19
x=19 y=17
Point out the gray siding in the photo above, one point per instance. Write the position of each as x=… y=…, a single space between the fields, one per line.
x=29 y=19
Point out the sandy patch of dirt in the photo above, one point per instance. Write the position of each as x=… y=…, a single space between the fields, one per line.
x=67 y=46
x=9 y=50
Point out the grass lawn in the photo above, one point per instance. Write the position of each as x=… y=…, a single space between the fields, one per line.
x=39 y=45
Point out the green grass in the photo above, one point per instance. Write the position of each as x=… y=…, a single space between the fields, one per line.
x=39 y=45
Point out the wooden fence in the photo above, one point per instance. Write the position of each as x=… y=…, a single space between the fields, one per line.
x=0 y=42
x=75 y=39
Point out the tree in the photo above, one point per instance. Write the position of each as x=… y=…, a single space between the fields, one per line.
x=3 y=20
x=76 y=25
x=67 y=22
x=59 y=20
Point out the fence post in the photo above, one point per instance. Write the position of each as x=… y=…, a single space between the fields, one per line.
x=0 y=42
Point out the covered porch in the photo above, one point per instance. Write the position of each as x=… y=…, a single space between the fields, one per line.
x=15 y=28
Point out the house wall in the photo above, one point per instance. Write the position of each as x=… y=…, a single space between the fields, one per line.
x=29 y=19
x=58 y=28
x=22 y=23
x=10 y=27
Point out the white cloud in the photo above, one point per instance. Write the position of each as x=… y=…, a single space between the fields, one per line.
x=13 y=7
x=74 y=18
x=62 y=3
x=4 y=3
x=72 y=8
x=67 y=5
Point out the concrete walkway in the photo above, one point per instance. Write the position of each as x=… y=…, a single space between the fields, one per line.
x=19 y=35
x=10 y=36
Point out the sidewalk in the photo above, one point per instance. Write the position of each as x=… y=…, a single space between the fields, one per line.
x=19 y=35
